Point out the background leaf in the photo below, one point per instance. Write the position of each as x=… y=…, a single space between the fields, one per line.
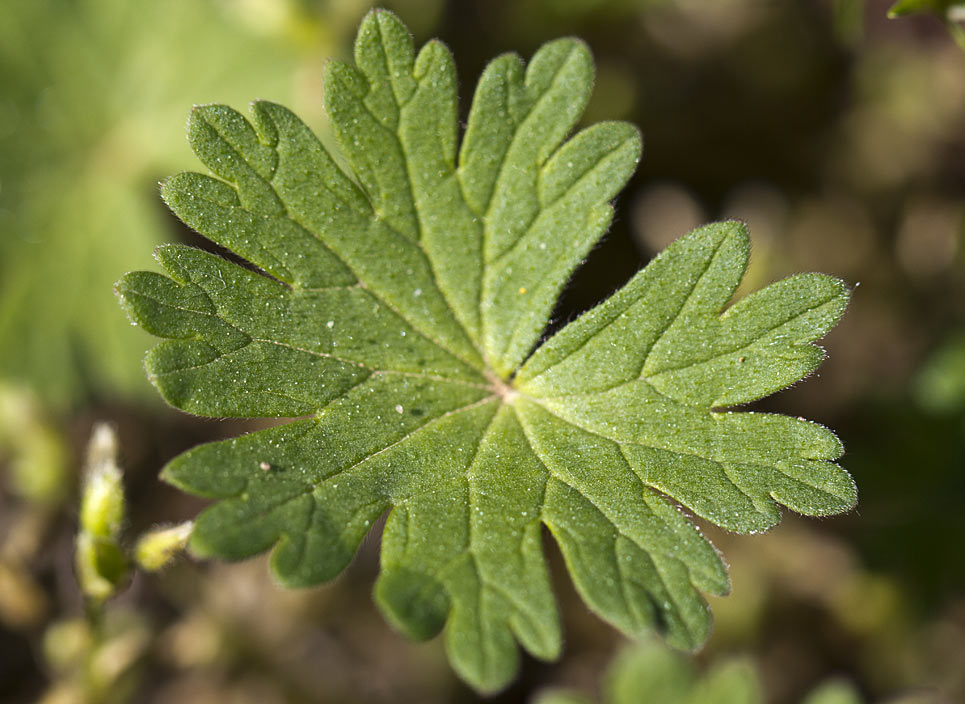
x=90 y=90
x=648 y=671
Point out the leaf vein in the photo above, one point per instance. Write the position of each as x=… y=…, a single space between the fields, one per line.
x=294 y=217
x=407 y=436
x=504 y=161
x=826 y=302
x=375 y=370
x=546 y=209
x=683 y=305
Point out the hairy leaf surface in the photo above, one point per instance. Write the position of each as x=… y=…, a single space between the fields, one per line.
x=397 y=311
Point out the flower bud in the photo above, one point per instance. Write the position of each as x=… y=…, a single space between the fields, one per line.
x=102 y=501
x=102 y=567
x=156 y=548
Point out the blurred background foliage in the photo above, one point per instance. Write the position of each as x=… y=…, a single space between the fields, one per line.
x=836 y=133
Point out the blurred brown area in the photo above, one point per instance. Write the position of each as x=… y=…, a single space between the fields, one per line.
x=836 y=134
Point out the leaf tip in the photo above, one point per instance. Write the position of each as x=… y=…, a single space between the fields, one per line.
x=168 y=256
x=415 y=604
x=387 y=26
x=899 y=9
x=197 y=112
x=168 y=475
x=381 y=15
x=737 y=226
x=122 y=289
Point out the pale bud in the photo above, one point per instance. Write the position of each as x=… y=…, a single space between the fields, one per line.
x=101 y=565
x=102 y=501
x=156 y=548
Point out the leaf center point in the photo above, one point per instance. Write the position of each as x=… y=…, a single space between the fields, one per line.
x=502 y=389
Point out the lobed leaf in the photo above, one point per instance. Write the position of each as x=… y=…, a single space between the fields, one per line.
x=395 y=310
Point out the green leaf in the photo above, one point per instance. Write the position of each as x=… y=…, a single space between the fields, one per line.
x=395 y=312
x=562 y=697
x=952 y=12
x=651 y=672
x=911 y=7
x=940 y=383
x=833 y=692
